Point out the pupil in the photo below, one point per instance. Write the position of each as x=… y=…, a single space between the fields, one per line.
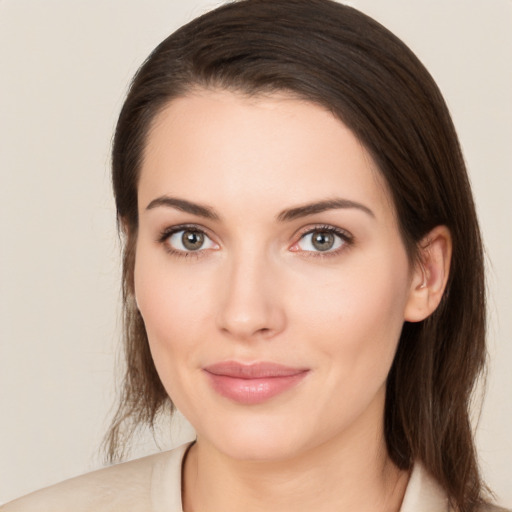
x=323 y=240
x=192 y=240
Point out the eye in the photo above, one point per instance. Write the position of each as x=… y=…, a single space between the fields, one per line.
x=188 y=240
x=325 y=239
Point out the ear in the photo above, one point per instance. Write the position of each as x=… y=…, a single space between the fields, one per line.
x=430 y=274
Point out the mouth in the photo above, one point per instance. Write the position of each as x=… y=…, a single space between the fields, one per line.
x=255 y=383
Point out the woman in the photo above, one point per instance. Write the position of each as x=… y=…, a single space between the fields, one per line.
x=303 y=273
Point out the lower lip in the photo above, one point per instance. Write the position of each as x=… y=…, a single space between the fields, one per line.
x=253 y=391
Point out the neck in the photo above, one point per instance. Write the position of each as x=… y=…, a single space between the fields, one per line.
x=351 y=472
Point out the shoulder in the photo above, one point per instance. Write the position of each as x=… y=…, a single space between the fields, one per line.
x=488 y=507
x=424 y=494
x=125 y=487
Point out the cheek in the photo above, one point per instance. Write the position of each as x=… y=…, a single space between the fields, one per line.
x=173 y=304
x=357 y=316
x=354 y=323
x=174 y=308
x=360 y=293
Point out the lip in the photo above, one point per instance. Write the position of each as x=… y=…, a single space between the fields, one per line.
x=253 y=383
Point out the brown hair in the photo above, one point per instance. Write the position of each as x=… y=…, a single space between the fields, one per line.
x=339 y=58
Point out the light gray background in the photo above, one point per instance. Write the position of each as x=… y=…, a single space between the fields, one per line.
x=64 y=68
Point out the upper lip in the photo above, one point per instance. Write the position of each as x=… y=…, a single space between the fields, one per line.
x=257 y=370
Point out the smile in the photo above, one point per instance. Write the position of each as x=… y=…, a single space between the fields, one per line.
x=253 y=383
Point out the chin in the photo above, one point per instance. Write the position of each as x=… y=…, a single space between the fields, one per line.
x=257 y=440
x=258 y=450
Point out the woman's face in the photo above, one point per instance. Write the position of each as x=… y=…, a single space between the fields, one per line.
x=269 y=271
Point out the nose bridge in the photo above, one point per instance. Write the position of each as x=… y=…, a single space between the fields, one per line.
x=250 y=305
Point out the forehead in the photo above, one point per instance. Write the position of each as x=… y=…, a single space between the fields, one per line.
x=226 y=147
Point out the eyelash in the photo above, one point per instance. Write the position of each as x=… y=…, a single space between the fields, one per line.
x=345 y=236
x=168 y=232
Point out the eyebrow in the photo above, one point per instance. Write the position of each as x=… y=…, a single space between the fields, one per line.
x=321 y=206
x=184 y=206
x=285 y=216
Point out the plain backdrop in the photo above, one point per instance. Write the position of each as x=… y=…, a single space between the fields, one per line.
x=64 y=69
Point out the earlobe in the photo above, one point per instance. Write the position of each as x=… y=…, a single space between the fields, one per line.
x=430 y=274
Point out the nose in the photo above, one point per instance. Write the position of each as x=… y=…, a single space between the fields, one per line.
x=251 y=304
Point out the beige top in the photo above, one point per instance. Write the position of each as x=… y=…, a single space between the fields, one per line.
x=153 y=484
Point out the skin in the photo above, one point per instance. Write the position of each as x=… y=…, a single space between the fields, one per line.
x=259 y=290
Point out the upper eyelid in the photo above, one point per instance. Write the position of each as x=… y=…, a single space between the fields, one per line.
x=184 y=227
x=325 y=227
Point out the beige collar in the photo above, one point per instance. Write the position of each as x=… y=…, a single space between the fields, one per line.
x=423 y=493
